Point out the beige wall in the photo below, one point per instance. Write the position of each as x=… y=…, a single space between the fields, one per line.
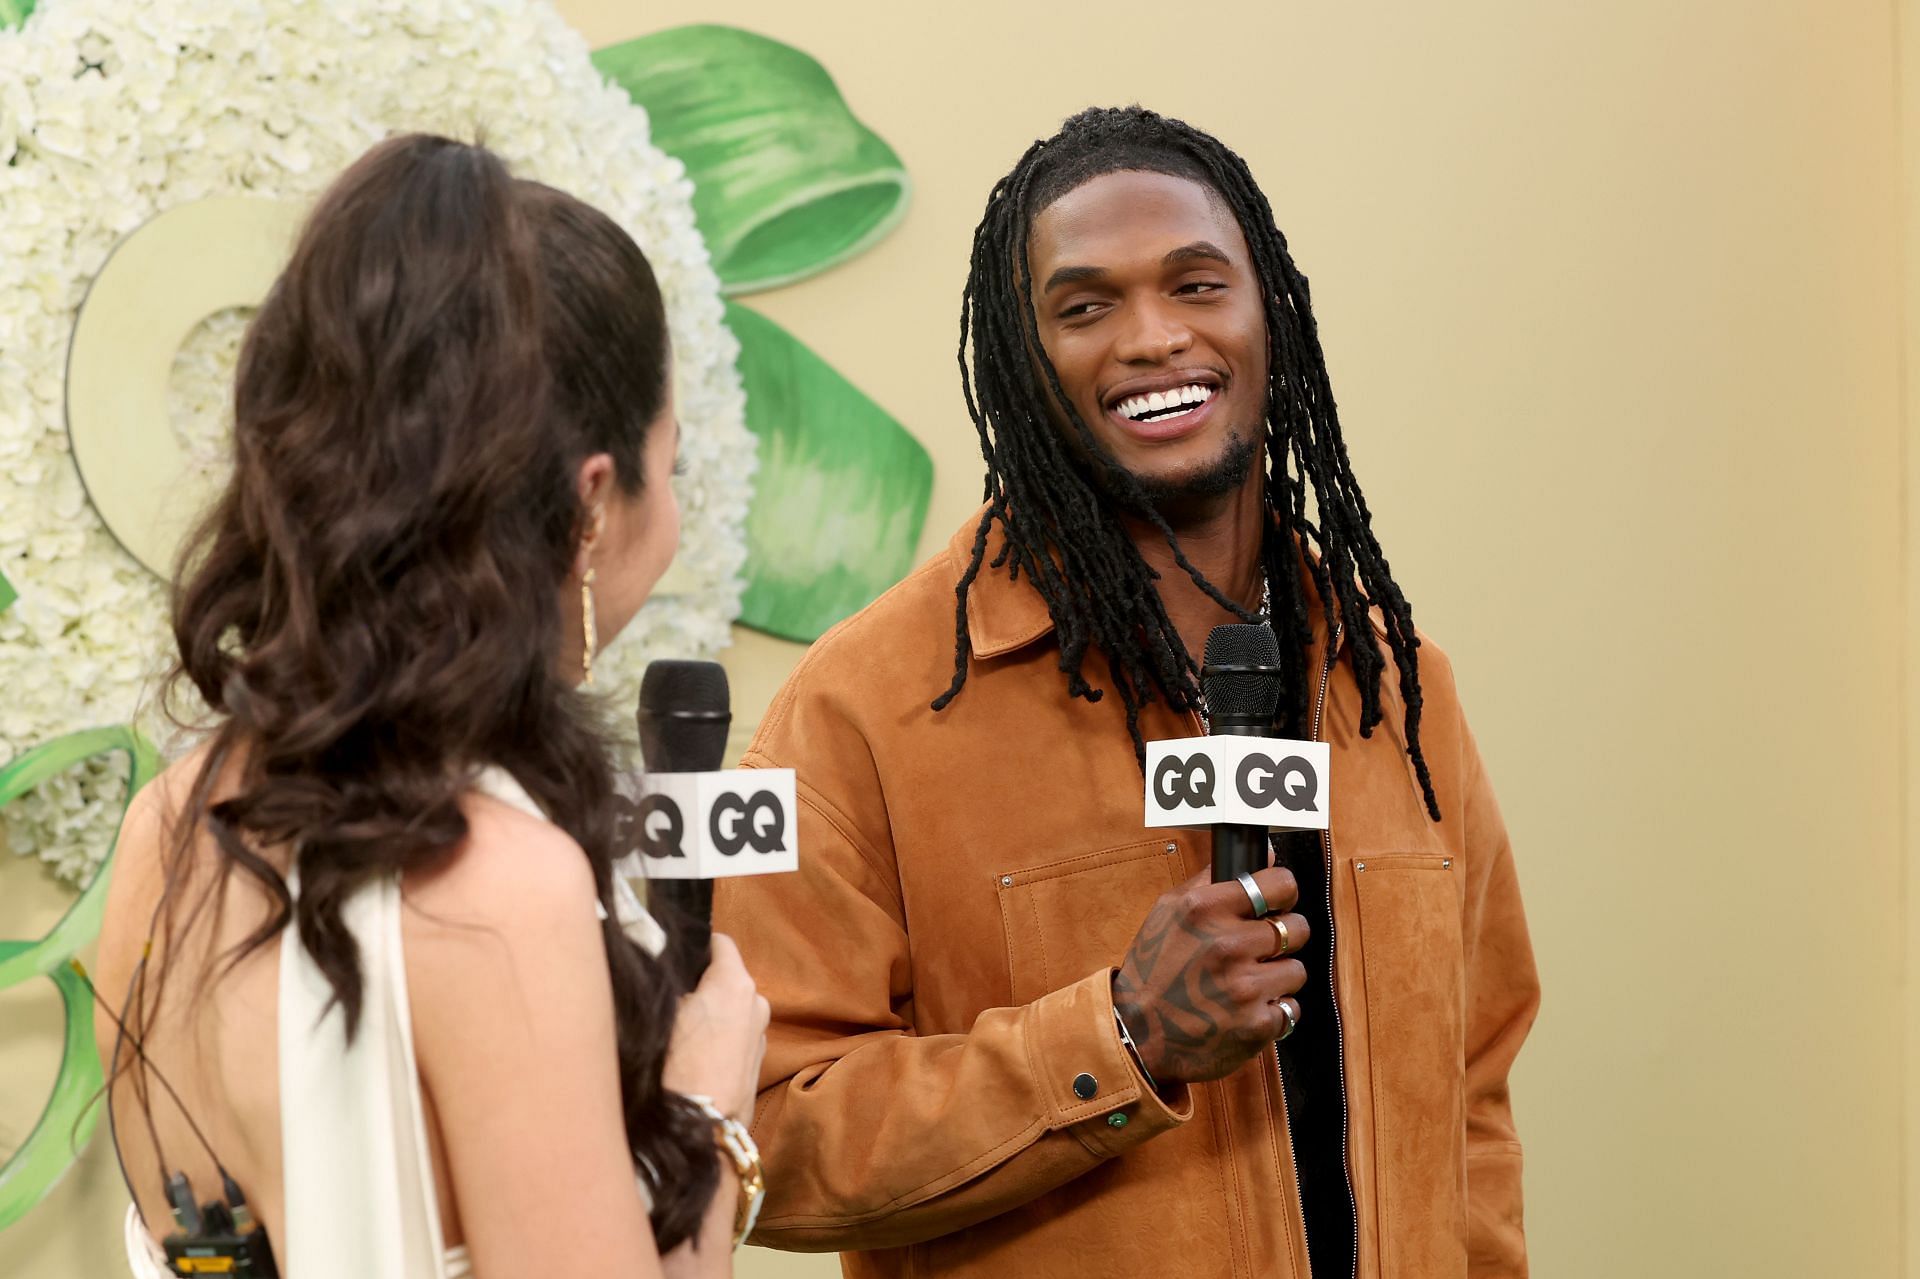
x=1908 y=37
x=1611 y=298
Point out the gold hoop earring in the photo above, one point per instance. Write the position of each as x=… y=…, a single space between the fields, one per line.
x=589 y=642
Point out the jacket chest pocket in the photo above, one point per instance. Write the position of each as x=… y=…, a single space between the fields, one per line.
x=1414 y=966
x=1069 y=918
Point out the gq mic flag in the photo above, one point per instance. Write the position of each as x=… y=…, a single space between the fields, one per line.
x=693 y=822
x=1238 y=780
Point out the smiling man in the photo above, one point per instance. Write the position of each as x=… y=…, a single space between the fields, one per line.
x=1015 y=1033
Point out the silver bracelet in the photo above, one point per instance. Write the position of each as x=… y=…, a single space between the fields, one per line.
x=1133 y=1051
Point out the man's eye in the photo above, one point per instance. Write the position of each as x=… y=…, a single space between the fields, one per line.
x=1200 y=286
x=1078 y=308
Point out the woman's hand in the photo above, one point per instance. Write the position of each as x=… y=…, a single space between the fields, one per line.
x=720 y=1036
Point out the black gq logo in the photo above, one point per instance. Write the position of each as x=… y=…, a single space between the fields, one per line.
x=654 y=826
x=1184 y=781
x=1261 y=780
x=759 y=823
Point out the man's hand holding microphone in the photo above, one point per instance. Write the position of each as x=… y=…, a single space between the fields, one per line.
x=1209 y=980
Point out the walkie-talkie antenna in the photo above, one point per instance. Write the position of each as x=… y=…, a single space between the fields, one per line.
x=136 y=988
x=147 y=1063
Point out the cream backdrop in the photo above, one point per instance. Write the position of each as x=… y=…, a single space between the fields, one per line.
x=1612 y=298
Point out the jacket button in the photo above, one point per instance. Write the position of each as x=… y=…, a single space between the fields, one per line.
x=1084 y=1086
x=1116 y=1120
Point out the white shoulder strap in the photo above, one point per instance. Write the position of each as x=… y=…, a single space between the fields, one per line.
x=354 y=1107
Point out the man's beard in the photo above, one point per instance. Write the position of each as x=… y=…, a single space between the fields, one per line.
x=1172 y=495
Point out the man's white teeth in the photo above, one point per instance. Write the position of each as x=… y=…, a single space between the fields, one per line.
x=1159 y=404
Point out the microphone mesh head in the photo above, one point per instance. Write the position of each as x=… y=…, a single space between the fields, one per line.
x=672 y=684
x=1242 y=693
x=683 y=716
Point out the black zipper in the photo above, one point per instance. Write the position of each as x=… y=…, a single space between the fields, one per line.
x=1339 y=1043
x=1293 y=1153
x=1339 y=1039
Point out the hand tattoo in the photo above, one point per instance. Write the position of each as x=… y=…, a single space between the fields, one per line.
x=1176 y=1009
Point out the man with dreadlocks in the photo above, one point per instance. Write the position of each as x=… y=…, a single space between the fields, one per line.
x=1015 y=1033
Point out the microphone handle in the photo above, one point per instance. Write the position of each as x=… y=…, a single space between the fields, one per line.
x=685 y=743
x=1238 y=850
x=683 y=716
x=690 y=944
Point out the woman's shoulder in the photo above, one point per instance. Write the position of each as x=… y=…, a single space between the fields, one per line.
x=143 y=850
x=502 y=942
x=157 y=806
x=513 y=870
x=507 y=917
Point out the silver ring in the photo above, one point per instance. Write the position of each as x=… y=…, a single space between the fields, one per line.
x=1254 y=895
x=1286 y=1010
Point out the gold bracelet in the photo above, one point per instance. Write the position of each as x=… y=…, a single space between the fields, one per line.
x=744 y=1154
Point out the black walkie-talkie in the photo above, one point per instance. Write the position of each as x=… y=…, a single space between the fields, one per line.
x=219 y=1237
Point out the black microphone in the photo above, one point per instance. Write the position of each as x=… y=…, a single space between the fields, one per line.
x=684 y=715
x=1241 y=684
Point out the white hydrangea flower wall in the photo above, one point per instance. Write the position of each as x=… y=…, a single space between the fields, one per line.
x=113 y=111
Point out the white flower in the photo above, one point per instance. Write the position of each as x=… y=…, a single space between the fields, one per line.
x=113 y=112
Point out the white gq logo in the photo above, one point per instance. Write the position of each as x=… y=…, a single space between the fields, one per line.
x=1240 y=781
x=738 y=821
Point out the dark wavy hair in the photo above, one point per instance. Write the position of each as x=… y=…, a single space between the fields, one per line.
x=373 y=608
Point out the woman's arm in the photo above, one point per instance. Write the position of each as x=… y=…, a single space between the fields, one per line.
x=714 y=1260
x=514 y=1030
x=719 y=1043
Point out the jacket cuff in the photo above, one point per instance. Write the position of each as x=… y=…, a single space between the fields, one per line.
x=1085 y=1076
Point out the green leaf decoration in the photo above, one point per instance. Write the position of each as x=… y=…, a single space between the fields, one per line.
x=7 y=594
x=14 y=12
x=67 y=1123
x=786 y=181
x=842 y=492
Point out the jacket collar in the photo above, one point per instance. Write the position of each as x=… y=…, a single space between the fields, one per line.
x=1004 y=614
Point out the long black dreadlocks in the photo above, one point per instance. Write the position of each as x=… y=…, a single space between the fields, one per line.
x=1061 y=528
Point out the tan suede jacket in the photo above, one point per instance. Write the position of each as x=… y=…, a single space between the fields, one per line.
x=939 y=971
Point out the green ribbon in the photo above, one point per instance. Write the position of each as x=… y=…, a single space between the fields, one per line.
x=832 y=463
x=786 y=181
x=67 y=1123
